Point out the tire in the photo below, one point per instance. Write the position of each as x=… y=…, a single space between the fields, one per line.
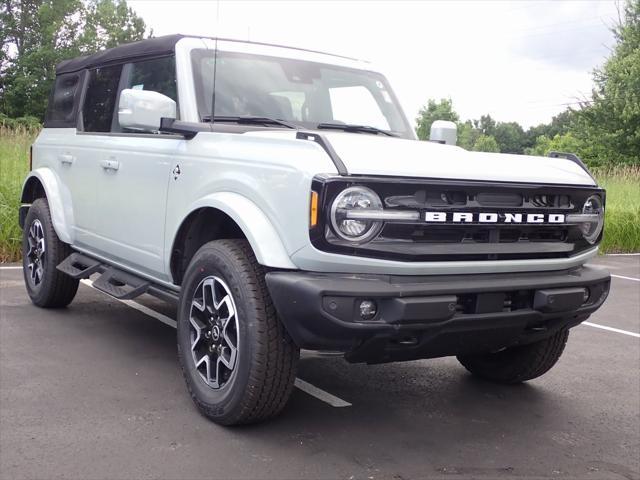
x=517 y=364
x=260 y=381
x=42 y=251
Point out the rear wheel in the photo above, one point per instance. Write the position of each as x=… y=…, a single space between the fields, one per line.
x=238 y=361
x=42 y=251
x=518 y=364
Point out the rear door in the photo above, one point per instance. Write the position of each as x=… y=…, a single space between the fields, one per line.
x=57 y=149
x=131 y=170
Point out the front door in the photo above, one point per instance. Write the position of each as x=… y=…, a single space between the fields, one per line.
x=130 y=170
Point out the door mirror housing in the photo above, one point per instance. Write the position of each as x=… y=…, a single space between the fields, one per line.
x=143 y=109
x=443 y=131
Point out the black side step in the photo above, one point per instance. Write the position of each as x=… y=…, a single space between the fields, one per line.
x=121 y=285
x=79 y=266
x=112 y=281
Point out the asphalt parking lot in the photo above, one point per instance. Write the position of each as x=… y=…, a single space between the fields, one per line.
x=94 y=391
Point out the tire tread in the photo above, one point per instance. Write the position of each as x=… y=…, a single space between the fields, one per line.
x=518 y=364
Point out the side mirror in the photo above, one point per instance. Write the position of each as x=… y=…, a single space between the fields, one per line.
x=143 y=109
x=443 y=131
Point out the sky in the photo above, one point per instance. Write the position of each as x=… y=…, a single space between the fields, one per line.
x=522 y=61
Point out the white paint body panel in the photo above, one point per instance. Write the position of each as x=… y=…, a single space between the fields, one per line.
x=365 y=154
x=60 y=202
x=130 y=216
x=377 y=155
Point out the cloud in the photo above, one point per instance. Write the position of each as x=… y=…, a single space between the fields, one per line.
x=570 y=35
x=519 y=61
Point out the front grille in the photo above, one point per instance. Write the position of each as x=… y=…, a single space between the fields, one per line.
x=422 y=241
x=475 y=233
x=445 y=197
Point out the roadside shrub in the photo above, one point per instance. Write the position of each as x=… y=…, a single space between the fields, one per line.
x=26 y=124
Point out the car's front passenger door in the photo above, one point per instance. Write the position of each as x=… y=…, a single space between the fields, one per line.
x=132 y=173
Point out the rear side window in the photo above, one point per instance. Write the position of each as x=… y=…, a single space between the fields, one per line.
x=100 y=99
x=62 y=110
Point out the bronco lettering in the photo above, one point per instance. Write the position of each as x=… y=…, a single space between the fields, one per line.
x=493 y=217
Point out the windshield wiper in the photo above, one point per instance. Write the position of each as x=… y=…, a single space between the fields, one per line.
x=249 y=121
x=354 y=128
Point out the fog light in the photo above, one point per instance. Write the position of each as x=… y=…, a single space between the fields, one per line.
x=368 y=309
x=586 y=295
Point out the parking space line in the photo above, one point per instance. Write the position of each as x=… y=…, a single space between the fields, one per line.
x=137 y=306
x=320 y=394
x=611 y=329
x=301 y=384
x=621 y=254
x=11 y=267
x=626 y=278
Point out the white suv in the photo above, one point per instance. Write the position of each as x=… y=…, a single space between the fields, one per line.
x=281 y=198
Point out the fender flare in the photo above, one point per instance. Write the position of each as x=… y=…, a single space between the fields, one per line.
x=59 y=200
x=260 y=232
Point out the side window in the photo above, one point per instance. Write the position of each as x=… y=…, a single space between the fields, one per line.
x=62 y=111
x=100 y=99
x=158 y=75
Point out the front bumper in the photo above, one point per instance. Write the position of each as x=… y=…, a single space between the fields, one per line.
x=432 y=316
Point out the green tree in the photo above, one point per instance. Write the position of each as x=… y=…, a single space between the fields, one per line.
x=37 y=34
x=110 y=23
x=560 y=124
x=486 y=143
x=467 y=135
x=567 y=142
x=611 y=120
x=442 y=110
x=486 y=125
x=510 y=137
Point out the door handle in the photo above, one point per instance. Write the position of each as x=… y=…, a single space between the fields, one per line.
x=110 y=164
x=66 y=159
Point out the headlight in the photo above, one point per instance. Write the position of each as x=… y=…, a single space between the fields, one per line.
x=591 y=220
x=591 y=230
x=356 y=199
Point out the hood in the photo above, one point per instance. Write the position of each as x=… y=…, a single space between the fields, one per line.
x=374 y=155
x=365 y=154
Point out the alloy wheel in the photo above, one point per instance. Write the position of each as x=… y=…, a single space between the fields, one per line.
x=36 y=253
x=214 y=332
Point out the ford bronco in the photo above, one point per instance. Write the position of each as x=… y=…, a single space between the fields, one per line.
x=280 y=197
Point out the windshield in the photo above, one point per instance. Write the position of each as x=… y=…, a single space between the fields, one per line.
x=302 y=93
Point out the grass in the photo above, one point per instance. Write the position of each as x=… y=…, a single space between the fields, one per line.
x=14 y=165
x=622 y=227
x=622 y=218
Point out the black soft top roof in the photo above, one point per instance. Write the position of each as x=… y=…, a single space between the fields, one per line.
x=150 y=47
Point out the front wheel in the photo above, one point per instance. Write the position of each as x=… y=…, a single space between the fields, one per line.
x=238 y=361
x=520 y=363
